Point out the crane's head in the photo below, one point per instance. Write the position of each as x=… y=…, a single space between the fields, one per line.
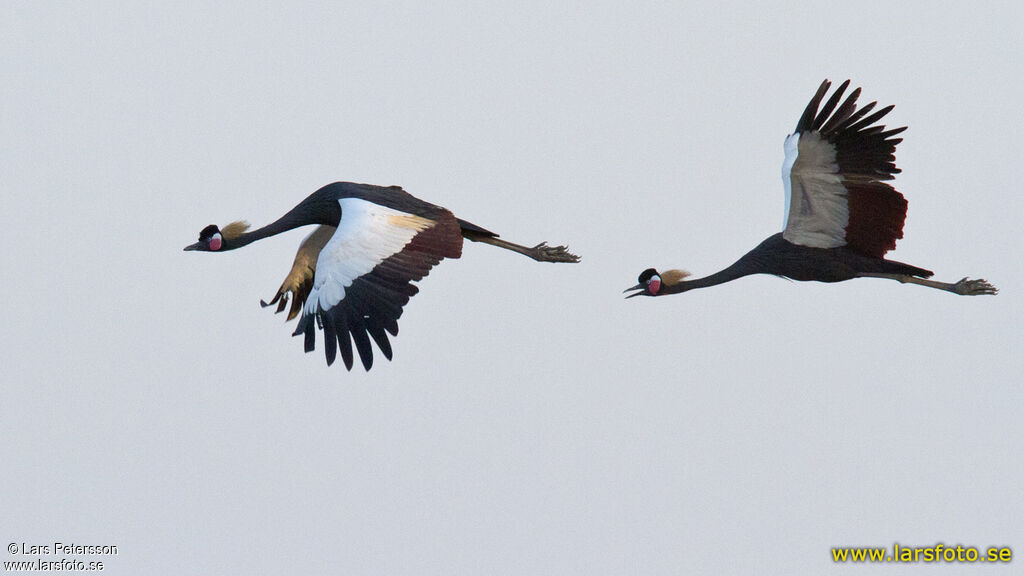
x=213 y=239
x=653 y=283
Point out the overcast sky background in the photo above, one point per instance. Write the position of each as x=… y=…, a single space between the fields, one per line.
x=532 y=421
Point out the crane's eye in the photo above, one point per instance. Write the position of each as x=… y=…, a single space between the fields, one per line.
x=215 y=242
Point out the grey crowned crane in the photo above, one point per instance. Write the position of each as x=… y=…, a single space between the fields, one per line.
x=352 y=275
x=841 y=216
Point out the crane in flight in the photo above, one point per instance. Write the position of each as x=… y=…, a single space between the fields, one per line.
x=841 y=215
x=353 y=274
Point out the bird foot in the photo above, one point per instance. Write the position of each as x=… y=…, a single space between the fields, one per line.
x=544 y=253
x=979 y=287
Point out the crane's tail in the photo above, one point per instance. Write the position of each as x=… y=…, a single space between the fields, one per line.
x=893 y=267
x=473 y=232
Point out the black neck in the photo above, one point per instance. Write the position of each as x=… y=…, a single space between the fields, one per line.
x=316 y=209
x=739 y=269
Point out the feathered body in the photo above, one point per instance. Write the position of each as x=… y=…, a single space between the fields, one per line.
x=780 y=257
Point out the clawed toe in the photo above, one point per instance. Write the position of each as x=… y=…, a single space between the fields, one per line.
x=544 y=253
x=978 y=287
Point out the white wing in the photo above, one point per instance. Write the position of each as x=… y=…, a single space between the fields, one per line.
x=817 y=211
x=367 y=235
x=384 y=241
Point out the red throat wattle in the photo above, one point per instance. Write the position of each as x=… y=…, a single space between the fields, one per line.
x=653 y=286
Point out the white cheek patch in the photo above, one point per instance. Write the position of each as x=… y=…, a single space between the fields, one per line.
x=654 y=284
x=367 y=235
x=215 y=242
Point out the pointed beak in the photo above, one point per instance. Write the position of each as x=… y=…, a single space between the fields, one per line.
x=192 y=247
x=639 y=287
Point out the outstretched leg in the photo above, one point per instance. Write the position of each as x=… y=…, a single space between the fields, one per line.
x=541 y=252
x=964 y=287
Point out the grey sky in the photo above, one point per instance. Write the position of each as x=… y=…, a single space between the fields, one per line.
x=532 y=421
